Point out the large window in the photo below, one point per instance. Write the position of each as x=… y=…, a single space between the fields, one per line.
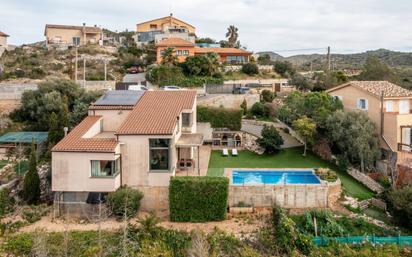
x=186 y=120
x=389 y=106
x=104 y=168
x=403 y=106
x=235 y=59
x=159 y=154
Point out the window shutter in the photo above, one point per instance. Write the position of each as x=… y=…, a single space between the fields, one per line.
x=406 y=139
x=366 y=104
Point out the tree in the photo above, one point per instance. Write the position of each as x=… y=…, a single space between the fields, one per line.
x=31 y=183
x=206 y=40
x=354 y=135
x=250 y=69
x=260 y=110
x=306 y=128
x=232 y=35
x=270 y=139
x=56 y=133
x=53 y=95
x=168 y=57
x=267 y=96
x=400 y=205
x=328 y=79
x=374 y=69
x=201 y=65
x=264 y=60
x=300 y=82
x=284 y=68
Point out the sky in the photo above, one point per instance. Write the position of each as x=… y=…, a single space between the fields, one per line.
x=287 y=27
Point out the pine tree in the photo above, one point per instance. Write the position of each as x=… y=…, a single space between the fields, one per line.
x=31 y=183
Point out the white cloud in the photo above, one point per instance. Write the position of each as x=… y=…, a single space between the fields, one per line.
x=263 y=24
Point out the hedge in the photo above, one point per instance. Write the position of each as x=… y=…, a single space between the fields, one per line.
x=198 y=199
x=220 y=117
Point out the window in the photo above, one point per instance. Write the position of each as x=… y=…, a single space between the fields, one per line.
x=76 y=41
x=159 y=154
x=105 y=168
x=336 y=97
x=403 y=106
x=153 y=26
x=186 y=52
x=389 y=106
x=186 y=120
x=179 y=52
x=406 y=139
x=235 y=59
x=362 y=104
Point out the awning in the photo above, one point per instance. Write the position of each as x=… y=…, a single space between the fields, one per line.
x=189 y=140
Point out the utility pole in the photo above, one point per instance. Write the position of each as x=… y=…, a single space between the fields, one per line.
x=105 y=69
x=84 y=72
x=328 y=59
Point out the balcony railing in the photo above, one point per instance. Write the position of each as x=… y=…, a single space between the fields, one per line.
x=404 y=147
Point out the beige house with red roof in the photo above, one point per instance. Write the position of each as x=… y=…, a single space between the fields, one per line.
x=388 y=105
x=183 y=48
x=133 y=138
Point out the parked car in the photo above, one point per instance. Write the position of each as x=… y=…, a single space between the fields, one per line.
x=134 y=70
x=171 y=88
x=240 y=90
x=138 y=88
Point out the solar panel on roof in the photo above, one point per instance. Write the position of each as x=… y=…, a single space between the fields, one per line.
x=120 y=97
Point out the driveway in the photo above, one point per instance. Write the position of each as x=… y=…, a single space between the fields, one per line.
x=255 y=129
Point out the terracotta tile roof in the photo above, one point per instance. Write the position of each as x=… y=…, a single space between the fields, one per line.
x=111 y=107
x=170 y=42
x=377 y=87
x=87 y=28
x=2 y=34
x=220 y=50
x=74 y=141
x=156 y=112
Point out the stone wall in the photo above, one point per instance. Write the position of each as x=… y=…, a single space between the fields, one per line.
x=365 y=180
x=286 y=196
x=91 y=85
x=155 y=198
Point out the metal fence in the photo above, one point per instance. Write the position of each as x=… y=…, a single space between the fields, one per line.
x=399 y=240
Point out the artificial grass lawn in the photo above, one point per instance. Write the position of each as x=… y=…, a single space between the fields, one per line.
x=286 y=158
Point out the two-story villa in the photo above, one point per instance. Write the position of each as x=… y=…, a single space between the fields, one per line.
x=389 y=106
x=132 y=138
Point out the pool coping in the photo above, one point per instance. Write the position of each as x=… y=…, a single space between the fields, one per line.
x=227 y=172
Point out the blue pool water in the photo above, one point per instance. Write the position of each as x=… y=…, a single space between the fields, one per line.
x=272 y=177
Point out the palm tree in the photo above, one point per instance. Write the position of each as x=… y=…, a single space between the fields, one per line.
x=168 y=56
x=232 y=35
x=212 y=63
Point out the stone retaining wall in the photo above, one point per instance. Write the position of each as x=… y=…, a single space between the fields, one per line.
x=365 y=180
x=286 y=196
x=155 y=198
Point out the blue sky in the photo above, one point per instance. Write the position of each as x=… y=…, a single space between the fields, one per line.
x=278 y=25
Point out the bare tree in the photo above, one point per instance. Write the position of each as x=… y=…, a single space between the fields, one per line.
x=200 y=247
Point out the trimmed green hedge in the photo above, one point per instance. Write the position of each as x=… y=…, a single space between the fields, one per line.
x=198 y=199
x=220 y=117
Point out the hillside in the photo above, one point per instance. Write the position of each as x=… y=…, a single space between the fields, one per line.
x=347 y=61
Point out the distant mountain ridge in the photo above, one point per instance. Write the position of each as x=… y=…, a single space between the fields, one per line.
x=346 y=61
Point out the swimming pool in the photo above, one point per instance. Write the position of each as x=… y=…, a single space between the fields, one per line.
x=273 y=177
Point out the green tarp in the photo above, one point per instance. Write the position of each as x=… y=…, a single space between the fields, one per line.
x=24 y=137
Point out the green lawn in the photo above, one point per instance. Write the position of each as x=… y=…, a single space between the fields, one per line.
x=287 y=158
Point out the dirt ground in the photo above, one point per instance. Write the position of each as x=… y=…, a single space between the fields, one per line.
x=240 y=224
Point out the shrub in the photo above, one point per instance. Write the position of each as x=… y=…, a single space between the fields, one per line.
x=34 y=213
x=220 y=117
x=243 y=106
x=260 y=110
x=326 y=174
x=288 y=238
x=125 y=199
x=6 y=202
x=400 y=205
x=198 y=199
x=270 y=140
x=267 y=96
x=250 y=68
